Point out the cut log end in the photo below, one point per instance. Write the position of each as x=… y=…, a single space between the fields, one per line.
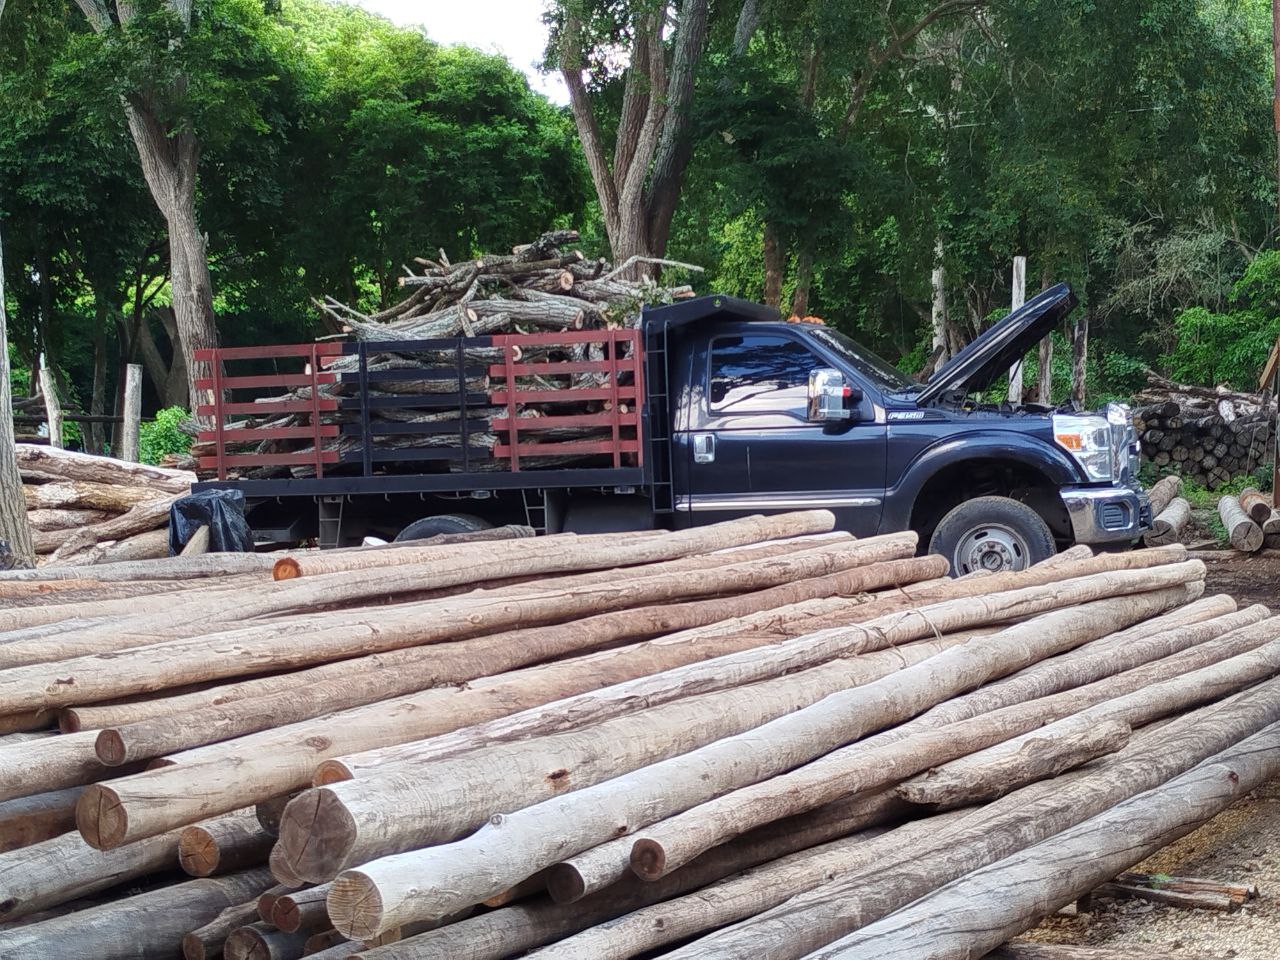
x=286 y=568
x=565 y=884
x=101 y=818
x=332 y=771
x=110 y=748
x=317 y=834
x=192 y=948
x=286 y=915
x=648 y=859
x=355 y=906
x=198 y=852
x=69 y=720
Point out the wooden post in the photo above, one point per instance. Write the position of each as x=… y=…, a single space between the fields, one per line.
x=15 y=534
x=132 y=412
x=1019 y=298
x=52 y=406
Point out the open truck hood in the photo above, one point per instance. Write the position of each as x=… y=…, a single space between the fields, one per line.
x=989 y=357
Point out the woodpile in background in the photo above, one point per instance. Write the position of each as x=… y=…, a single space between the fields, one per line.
x=1208 y=435
x=754 y=739
x=1250 y=520
x=86 y=510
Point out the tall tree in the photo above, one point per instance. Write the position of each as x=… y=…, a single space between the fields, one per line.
x=639 y=188
x=14 y=529
x=169 y=151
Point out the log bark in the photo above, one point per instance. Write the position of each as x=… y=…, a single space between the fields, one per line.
x=451 y=876
x=1243 y=533
x=860 y=897
x=15 y=534
x=65 y=868
x=1170 y=523
x=52 y=406
x=180 y=569
x=275 y=762
x=42 y=816
x=1163 y=492
x=141 y=519
x=1256 y=505
x=995 y=903
x=1070 y=555
x=576 y=553
x=47 y=521
x=147 y=926
x=1185 y=900
x=132 y=412
x=262 y=941
x=81 y=466
x=52 y=763
x=198 y=544
x=411 y=804
x=223 y=845
x=151 y=545
x=205 y=943
x=302 y=910
x=351 y=683
x=87 y=495
x=269 y=812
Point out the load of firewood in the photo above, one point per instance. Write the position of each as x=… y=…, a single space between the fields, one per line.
x=1208 y=435
x=86 y=510
x=757 y=738
x=540 y=287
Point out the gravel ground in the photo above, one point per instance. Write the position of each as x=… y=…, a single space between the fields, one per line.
x=1241 y=845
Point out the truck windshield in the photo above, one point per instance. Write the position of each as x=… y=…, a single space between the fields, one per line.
x=888 y=378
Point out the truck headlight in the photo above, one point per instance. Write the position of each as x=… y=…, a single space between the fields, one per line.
x=1088 y=440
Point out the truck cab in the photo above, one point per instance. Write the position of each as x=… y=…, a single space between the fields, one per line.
x=769 y=416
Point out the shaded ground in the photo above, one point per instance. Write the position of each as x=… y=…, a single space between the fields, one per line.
x=1241 y=845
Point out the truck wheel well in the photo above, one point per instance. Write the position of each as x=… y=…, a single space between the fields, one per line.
x=955 y=484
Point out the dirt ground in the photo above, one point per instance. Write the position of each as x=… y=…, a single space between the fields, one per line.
x=1241 y=845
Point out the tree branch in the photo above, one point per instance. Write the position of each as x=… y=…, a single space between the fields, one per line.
x=633 y=180
x=745 y=28
x=95 y=11
x=877 y=58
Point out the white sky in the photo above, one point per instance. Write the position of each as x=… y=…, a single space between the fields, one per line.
x=513 y=28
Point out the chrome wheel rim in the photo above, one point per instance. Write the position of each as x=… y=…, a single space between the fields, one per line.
x=991 y=547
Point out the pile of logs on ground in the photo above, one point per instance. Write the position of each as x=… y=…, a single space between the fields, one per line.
x=86 y=510
x=754 y=739
x=1209 y=435
x=1251 y=520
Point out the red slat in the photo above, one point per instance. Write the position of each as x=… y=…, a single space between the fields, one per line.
x=268 y=406
x=525 y=424
x=269 y=459
x=301 y=350
x=267 y=380
x=568 y=395
x=234 y=435
x=568 y=446
x=548 y=367
x=565 y=336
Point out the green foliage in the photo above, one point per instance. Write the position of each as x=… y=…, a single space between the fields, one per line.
x=163 y=436
x=19 y=372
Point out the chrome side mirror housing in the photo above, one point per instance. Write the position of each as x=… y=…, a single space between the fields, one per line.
x=831 y=398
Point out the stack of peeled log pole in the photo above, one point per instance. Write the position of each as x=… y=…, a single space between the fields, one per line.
x=1208 y=435
x=758 y=738
x=541 y=287
x=87 y=510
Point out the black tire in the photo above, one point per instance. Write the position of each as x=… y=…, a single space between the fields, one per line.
x=445 y=523
x=992 y=533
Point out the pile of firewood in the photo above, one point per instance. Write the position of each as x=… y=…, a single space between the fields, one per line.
x=1209 y=435
x=753 y=739
x=539 y=287
x=86 y=510
x=1251 y=521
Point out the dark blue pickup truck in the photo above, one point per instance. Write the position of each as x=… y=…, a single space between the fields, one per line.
x=716 y=408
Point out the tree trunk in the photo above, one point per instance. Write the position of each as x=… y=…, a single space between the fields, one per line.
x=206 y=942
x=997 y=902
x=1019 y=287
x=96 y=432
x=223 y=845
x=1243 y=533
x=938 y=312
x=858 y=898
x=1080 y=356
x=1169 y=524
x=131 y=412
x=1044 y=390
x=446 y=878
x=774 y=266
x=52 y=405
x=16 y=549
x=804 y=281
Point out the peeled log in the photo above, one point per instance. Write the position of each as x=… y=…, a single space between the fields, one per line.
x=1243 y=533
x=352 y=683
x=1163 y=492
x=1169 y=524
x=1256 y=505
x=223 y=845
x=261 y=941
x=412 y=804
x=990 y=834
x=205 y=943
x=997 y=902
x=50 y=763
x=575 y=552
x=427 y=884
x=65 y=868
x=28 y=820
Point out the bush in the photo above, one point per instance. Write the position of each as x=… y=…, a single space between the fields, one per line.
x=163 y=436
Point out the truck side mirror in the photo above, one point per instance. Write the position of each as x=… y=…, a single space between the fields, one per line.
x=830 y=397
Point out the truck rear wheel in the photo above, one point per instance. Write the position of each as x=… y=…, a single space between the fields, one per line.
x=992 y=534
x=445 y=523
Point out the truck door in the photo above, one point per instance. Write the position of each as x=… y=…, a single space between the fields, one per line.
x=750 y=447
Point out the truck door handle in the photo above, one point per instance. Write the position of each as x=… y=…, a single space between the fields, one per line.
x=704 y=448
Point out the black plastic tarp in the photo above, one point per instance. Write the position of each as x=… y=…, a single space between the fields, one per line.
x=222 y=511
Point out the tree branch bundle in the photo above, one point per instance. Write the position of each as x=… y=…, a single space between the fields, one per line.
x=693 y=736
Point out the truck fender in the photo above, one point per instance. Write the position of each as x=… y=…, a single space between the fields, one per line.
x=1025 y=451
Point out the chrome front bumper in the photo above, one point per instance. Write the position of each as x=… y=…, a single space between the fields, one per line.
x=1107 y=514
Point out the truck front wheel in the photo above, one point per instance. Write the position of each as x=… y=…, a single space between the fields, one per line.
x=992 y=534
